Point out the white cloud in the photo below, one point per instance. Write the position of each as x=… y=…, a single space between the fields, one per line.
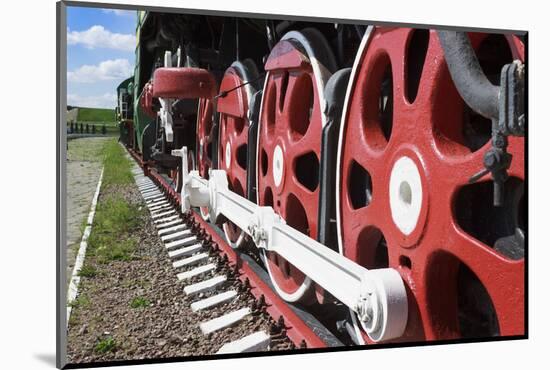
x=107 y=70
x=98 y=37
x=126 y=13
x=107 y=100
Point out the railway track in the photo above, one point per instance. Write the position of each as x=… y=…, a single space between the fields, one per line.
x=231 y=294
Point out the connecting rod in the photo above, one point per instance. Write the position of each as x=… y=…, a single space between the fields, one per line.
x=378 y=296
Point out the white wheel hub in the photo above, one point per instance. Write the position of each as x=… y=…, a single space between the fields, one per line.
x=227 y=155
x=405 y=194
x=278 y=165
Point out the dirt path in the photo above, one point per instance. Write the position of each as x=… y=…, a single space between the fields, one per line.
x=83 y=170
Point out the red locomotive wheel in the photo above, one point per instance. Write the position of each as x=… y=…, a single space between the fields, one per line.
x=408 y=146
x=289 y=143
x=205 y=125
x=233 y=143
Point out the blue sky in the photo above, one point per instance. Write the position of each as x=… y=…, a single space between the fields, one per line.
x=100 y=54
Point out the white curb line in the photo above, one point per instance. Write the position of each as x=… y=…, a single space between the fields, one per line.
x=72 y=292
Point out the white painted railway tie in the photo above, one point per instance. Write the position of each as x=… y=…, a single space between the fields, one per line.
x=157 y=199
x=144 y=191
x=151 y=194
x=205 y=286
x=175 y=235
x=167 y=213
x=181 y=242
x=254 y=342
x=166 y=219
x=157 y=205
x=156 y=202
x=186 y=251
x=190 y=261
x=171 y=229
x=143 y=181
x=213 y=301
x=151 y=191
x=162 y=208
x=147 y=187
x=154 y=213
x=168 y=224
x=196 y=271
x=224 y=321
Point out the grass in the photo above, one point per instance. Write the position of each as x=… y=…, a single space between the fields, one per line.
x=117 y=166
x=96 y=115
x=88 y=271
x=111 y=238
x=116 y=251
x=140 y=302
x=115 y=221
x=86 y=149
x=107 y=344
x=81 y=301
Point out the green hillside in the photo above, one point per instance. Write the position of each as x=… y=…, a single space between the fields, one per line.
x=96 y=115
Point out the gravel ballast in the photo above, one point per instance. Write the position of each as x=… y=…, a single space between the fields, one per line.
x=110 y=325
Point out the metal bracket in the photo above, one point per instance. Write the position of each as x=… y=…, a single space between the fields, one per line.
x=510 y=122
x=511 y=101
x=178 y=53
x=377 y=296
x=165 y=112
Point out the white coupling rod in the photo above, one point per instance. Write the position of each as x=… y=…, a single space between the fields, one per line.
x=378 y=297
